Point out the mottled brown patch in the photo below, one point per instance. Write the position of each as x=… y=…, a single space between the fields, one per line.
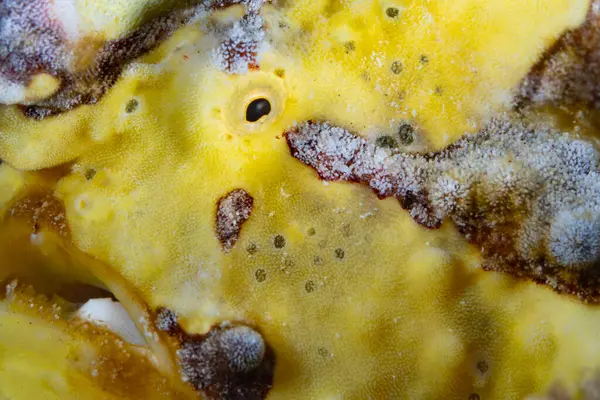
x=234 y=52
x=237 y=53
x=231 y=361
x=89 y=86
x=42 y=210
x=233 y=210
x=37 y=43
x=527 y=196
x=569 y=71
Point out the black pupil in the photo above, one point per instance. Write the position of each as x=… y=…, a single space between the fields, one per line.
x=257 y=109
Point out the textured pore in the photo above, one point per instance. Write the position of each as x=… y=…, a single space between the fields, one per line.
x=528 y=196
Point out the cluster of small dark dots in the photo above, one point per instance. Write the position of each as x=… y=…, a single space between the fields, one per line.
x=349 y=47
x=396 y=67
x=260 y=275
x=90 y=174
x=311 y=231
x=401 y=95
x=339 y=254
x=279 y=242
x=323 y=352
x=483 y=367
x=346 y=230
x=474 y=396
x=131 y=106
x=289 y=262
x=439 y=90
x=386 y=141
x=424 y=59
x=317 y=260
x=406 y=134
x=392 y=12
x=252 y=248
x=309 y=286
x=280 y=72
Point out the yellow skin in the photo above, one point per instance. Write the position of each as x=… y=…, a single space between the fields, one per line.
x=407 y=312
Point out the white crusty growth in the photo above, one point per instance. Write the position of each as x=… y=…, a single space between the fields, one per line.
x=35 y=35
x=241 y=42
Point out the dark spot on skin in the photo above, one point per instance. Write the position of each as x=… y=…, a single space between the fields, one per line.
x=233 y=211
x=386 y=141
x=279 y=242
x=339 y=254
x=424 y=59
x=280 y=72
x=260 y=275
x=317 y=260
x=311 y=232
x=483 y=367
x=392 y=12
x=439 y=90
x=90 y=174
x=309 y=286
x=257 y=109
x=323 y=352
x=349 y=47
x=474 y=396
x=131 y=106
x=231 y=361
x=406 y=134
x=396 y=68
x=252 y=248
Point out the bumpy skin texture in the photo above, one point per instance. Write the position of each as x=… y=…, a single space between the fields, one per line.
x=348 y=295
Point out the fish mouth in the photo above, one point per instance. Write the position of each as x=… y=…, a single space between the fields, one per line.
x=42 y=263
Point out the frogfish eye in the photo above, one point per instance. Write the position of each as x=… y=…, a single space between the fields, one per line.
x=257 y=109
